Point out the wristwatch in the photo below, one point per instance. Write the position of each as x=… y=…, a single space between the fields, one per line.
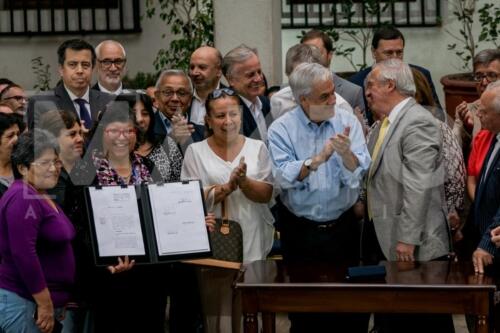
x=308 y=163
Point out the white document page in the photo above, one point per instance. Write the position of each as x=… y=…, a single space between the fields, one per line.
x=179 y=218
x=117 y=221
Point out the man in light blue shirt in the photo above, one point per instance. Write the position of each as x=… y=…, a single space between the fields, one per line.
x=319 y=157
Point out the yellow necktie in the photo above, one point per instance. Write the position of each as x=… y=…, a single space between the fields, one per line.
x=376 y=149
x=380 y=139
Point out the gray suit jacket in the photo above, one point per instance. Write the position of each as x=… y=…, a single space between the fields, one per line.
x=351 y=92
x=405 y=190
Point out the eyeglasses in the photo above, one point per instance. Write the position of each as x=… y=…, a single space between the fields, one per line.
x=217 y=93
x=106 y=63
x=46 y=164
x=18 y=98
x=115 y=132
x=490 y=76
x=168 y=93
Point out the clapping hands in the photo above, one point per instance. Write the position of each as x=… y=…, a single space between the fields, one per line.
x=182 y=130
x=238 y=175
x=340 y=143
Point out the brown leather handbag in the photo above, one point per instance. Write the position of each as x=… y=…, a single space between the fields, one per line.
x=227 y=238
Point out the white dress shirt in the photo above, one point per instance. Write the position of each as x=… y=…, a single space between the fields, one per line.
x=258 y=116
x=85 y=97
x=116 y=92
x=198 y=111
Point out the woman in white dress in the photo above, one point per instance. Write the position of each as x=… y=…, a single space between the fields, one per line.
x=240 y=169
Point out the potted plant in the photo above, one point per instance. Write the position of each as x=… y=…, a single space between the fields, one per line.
x=462 y=87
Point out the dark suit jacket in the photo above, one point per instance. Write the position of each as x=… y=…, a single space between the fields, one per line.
x=197 y=136
x=59 y=99
x=487 y=202
x=96 y=87
x=359 y=79
x=249 y=126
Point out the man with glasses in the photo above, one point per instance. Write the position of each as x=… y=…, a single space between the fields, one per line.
x=474 y=137
x=173 y=94
x=388 y=43
x=111 y=67
x=76 y=60
x=486 y=70
x=15 y=97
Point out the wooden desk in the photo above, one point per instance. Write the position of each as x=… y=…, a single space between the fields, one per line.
x=430 y=287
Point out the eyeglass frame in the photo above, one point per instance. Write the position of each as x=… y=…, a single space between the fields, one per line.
x=58 y=164
x=218 y=93
x=107 y=63
x=17 y=98
x=487 y=75
x=125 y=132
x=167 y=94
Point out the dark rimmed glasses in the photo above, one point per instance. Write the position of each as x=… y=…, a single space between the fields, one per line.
x=18 y=98
x=119 y=62
x=115 y=132
x=490 y=76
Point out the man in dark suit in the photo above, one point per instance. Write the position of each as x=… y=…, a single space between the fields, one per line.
x=111 y=67
x=487 y=197
x=174 y=92
x=348 y=90
x=388 y=42
x=76 y=61
x=241 y=67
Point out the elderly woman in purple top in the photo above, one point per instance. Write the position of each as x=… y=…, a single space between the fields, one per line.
x=37 y=268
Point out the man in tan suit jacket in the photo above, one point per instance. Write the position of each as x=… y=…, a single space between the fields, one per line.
x=405 y=182
x=405 y=193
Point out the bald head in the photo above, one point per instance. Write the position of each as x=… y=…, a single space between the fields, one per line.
x=205 y=69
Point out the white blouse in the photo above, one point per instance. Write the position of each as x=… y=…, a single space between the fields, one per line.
x=256 y=220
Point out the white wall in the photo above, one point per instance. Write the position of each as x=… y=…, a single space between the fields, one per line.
x=236 y=23
x=16 y=53
x=426 y=47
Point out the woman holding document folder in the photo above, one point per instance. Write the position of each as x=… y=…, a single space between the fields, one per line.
x=130 y=299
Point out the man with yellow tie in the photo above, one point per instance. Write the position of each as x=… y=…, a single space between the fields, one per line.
x=405 y=193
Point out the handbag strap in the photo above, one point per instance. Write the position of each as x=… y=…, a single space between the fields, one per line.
x=211 y=191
